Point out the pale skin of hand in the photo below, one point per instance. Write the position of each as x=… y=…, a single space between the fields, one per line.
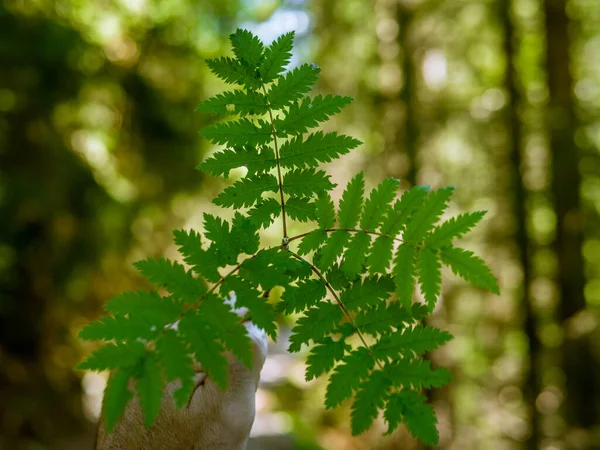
x=213 y=419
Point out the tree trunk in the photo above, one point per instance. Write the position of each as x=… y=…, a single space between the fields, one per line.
x=577 y=359
x=519 y=201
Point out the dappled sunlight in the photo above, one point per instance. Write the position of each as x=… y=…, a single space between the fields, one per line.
x=98 y=144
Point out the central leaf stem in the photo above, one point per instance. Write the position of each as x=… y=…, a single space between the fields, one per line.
x=341 y=305
x=274 y=132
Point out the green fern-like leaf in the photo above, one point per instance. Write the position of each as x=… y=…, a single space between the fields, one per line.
x=120 y=328
x=382 y=318
x=262 y=312
x=367 y=292
x=351 y=279
x=151 y=305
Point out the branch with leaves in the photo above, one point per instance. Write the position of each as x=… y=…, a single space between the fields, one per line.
x=353 y=275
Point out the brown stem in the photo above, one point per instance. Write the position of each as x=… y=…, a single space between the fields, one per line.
x=341 y=305
x=273 y=131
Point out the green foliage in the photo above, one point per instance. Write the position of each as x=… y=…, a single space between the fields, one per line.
x=352 y=276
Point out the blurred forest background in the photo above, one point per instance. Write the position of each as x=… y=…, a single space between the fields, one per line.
x=98 y=141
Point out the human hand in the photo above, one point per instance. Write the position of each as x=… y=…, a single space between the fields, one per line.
x=213 y=419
